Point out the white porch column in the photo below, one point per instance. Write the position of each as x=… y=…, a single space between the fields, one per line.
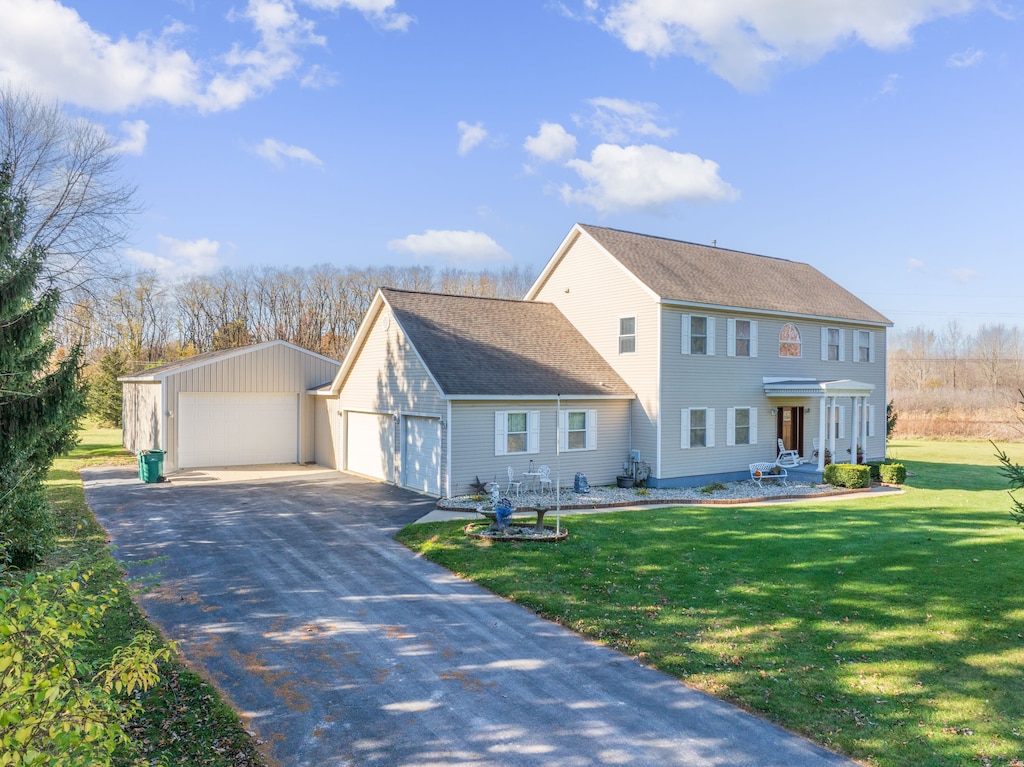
x=822 y=433
x=832 y=427
x=854 y=428
x=864 y=428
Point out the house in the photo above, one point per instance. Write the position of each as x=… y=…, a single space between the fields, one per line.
x=234 y=407
x=439 y=390
x=696 y=360
x=726 y=351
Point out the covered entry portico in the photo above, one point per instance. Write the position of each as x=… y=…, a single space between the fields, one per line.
x=828 y=394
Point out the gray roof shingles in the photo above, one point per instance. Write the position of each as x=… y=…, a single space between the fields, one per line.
x=496 y=347
x=712 y=276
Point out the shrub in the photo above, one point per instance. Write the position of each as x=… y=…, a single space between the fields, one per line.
x=893 y=473
x=847 y=475
x=713 y=487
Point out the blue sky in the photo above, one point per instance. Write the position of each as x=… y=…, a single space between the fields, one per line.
x=878 y=140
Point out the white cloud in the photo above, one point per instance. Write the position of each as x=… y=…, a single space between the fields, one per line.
x=619 y=120
x=277 y=152
x=134 y=141
x=965 y=59
x=965 y=274
x=49 y=49
x=647 y=176
x=470 y=136
x=551 y=144
x=745 y=41
x=451 y=247
x=179 y=258
x=890 y=86
x=381 y=12
x=914 y=265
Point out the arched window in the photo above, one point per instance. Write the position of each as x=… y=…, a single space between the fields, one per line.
x=789 y=341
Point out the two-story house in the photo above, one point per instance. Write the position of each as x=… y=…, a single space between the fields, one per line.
x=695 y=360
x=727 y=352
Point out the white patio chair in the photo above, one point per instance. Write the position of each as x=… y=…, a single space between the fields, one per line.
x=816 y=445
x=787 y=457
x=544 y=478
x=513 y=482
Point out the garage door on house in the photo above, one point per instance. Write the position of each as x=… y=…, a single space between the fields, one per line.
x=237 y=429
x=421 y=456
x=369 y=444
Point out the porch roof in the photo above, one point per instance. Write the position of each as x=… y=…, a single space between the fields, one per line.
x=813 y=388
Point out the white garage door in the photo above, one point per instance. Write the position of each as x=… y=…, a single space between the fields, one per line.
x=369 y=445
x=421 y=461
x=237 y=429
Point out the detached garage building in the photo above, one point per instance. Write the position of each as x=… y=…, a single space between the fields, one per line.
x=227 y=408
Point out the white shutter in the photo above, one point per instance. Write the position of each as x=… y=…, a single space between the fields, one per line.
x=533 y=431
x=709 y=419
x=871 y=420
x=711 y=336
x=871 y=346
x=842 y=345
x=842 y=422
x=684 y=441
x=563 y=430
x=753 y=338
x=730 y=333
x=591 y=430
x=753 y=426
x=685 y=347
x=500 y=433
x=730 y=426
x=824 y=344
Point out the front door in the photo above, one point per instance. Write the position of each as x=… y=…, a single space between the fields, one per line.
x=790 y=427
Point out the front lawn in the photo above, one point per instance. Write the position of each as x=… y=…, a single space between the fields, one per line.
x=184 y=721
x=889 y=628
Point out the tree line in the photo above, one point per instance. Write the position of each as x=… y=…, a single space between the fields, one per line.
x=953 y=383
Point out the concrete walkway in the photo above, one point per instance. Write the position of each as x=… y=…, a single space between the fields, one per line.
x=341 y=647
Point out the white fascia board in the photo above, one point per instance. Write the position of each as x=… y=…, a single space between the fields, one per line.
x=771 y=313
x=357 y=342
x=534 y=397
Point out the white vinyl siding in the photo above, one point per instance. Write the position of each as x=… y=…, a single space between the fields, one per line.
x=698 y=335
x=741 y=422
x=833 y=345
x=697 y=427
x=516 y=432
x=578 y=430
x=735 y=339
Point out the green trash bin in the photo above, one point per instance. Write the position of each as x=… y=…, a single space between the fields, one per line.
x=151 y=465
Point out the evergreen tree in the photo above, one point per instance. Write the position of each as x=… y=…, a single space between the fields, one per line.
x=104 y=400
x=41 y=398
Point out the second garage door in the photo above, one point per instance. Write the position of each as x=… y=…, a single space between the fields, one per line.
x=369 y=444
x=237 y=429
x=421 y=460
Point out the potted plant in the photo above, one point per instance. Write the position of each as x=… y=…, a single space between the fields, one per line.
x=828 y=457
x=860 y=454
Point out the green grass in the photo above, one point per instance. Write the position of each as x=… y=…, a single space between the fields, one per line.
x=889 y=628
x=184 y=720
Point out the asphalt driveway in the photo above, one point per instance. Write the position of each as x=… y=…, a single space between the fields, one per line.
x=341 y=647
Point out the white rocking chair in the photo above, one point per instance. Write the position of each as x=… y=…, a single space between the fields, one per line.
x=788 y=457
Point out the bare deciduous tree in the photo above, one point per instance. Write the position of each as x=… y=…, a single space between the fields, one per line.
x=67 y=168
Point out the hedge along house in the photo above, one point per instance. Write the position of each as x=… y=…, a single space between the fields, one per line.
x=242 y=406
x=727 y=352
x=437 y=391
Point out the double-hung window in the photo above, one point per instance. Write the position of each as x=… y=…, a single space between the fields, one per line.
x=741 y=426
x=578 y=429
x=865 y=346
x=627 y=335
x=516 y=431
x=697 y=427
x=833 y=345
x=742 y=337
x=698 y=335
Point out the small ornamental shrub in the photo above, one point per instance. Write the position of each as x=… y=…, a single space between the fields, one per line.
x=847 y=475
x=716 y=486
x=893 y=473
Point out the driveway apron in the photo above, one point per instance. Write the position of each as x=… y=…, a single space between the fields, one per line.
x=340 y=647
